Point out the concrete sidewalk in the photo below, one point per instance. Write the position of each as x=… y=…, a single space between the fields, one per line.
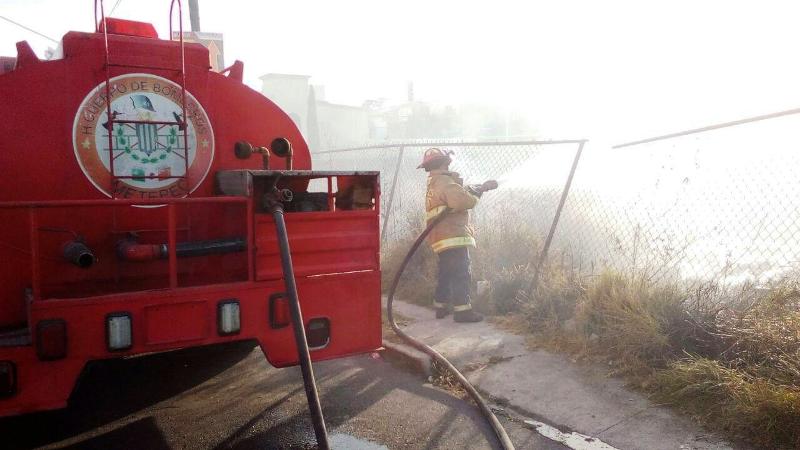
x=551 y=388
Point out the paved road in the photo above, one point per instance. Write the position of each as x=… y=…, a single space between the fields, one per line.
x=230 y=398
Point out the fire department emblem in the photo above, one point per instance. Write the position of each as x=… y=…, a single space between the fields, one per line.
x=148 y=156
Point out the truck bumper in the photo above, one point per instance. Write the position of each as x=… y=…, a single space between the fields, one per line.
x=163 y=320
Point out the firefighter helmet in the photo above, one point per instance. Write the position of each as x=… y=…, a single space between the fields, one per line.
x=434 y=155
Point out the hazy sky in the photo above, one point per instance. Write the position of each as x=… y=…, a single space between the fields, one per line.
x=607 y=70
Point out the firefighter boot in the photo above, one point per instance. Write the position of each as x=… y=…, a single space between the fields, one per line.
x=442 y=310
x=467 y=316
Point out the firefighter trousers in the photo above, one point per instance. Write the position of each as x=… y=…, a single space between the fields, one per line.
x=454 y=280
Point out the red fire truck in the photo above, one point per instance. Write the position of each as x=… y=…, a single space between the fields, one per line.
x=138 y=213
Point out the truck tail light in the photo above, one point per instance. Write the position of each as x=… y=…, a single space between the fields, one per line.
x=8 y=379
x=228 y=317
x=279 y=316
x=119 y=331
x=318 y=333
x=129 y=28
x=51 y=339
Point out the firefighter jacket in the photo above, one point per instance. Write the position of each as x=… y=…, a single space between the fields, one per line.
x=446 y=190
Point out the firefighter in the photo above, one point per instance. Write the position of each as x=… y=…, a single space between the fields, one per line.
x=452 y=238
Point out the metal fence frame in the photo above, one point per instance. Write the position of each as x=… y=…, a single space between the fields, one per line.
x=621 y=222
x=401 y=147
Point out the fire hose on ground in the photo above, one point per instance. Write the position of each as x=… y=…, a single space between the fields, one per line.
x=502 y=436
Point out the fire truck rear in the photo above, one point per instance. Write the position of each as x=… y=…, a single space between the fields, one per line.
x=136 y=211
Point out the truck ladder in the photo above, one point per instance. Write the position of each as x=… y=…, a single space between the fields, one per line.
x=180 y=121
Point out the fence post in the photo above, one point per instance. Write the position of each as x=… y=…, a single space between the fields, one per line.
x=543 y=255
x=391 y=194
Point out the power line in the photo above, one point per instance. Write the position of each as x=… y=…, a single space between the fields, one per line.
x=28 y=29
x=115 y=7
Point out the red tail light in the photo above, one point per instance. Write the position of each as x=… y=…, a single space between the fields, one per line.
x=279 y=316
x=8 y=379
x=51 y=339
x=129 y=28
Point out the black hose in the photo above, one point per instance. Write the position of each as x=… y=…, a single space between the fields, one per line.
x=214 y=247
x=499 y=431
x=299 y=331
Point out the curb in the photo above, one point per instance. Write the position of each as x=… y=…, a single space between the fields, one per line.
x=407 y=357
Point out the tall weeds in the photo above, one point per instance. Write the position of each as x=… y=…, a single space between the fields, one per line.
x=730 y=357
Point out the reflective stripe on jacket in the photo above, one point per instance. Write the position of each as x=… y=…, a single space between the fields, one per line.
x=446 y=190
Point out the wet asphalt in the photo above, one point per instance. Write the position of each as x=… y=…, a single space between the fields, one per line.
x=229 y=397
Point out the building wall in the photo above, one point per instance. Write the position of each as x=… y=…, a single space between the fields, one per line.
x=329 y=125
x=342 y=125
x=290 y=92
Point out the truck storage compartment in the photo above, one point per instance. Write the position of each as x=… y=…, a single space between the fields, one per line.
x=332 y=219
x=321 y=243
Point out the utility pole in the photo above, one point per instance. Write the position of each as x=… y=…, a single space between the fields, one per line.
x=194 y=15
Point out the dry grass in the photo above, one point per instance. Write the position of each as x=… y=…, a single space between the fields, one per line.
x=388 y=332
x=419 y=278
x=765 y=412
x=764 y=339
x=555 y=301
x=503 y=257
x=630 y=320
x=730 y=358
x=445 y=379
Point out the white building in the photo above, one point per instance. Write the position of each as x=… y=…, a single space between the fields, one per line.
x=324 y=125
x=290 y=92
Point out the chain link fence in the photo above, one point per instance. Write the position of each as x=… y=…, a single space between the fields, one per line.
x=532 y=201
x=717 y=205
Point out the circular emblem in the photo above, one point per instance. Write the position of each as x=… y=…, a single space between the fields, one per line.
x=150 y=153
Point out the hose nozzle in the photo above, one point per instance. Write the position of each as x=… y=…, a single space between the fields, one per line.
x=479 y=189
x=489 y=185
